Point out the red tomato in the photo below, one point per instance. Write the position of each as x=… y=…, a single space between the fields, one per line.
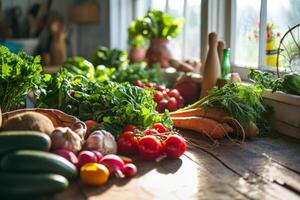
x=162 y=105
x=127 y=143
x=158 y=96
x=129 y=127
x=151 y=132
x=72 y=93
x=174 y=93
x=150 y=147
x=160 y=88
x=160 y=128
x=174 y=146
x=138 y=83
x=172 y=104
x=149 y=85
x=90 y=124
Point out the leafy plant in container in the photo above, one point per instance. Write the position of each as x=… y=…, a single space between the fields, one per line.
x=137 y=42
x=158 y=27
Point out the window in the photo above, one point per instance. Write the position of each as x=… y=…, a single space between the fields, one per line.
x=185 y=45
x=257 y=48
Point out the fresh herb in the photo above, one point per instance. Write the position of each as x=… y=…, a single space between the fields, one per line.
x=80 y=66
x=265 y=80
x=113 y=104
x=19 y=73
x=243 y=102
x=109 y=57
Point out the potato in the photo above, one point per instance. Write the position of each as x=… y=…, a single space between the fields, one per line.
x=28 y=121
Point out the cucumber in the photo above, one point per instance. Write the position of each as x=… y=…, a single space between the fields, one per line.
x=37 y=161
x=14 y=140
x=27 y=186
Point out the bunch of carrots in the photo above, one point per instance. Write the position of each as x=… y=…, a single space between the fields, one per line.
x=234 y=108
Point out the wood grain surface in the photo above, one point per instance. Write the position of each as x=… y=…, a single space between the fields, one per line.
x=263 y=168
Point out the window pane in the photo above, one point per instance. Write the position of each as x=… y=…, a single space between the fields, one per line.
x=247 y=33
x=192 y=23
x=159 y=5
x=175 y=9
x=282 y=15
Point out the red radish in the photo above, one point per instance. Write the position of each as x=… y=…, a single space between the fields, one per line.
x=174 y=146
x=98 y=155
x=138 y=83
x=69 y=155
x=129 y=170
x=114 y=164
x=85 y=157
x=158 y=96
x=172 y=104
x=151 y=132
x=160 y=88
x=126 y=159
x=129 y=127
x=160 y=128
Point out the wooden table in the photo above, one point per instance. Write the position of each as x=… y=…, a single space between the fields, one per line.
x=264 y=168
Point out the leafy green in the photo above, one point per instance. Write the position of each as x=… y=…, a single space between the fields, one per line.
x=137 y=71
x=243 y=102
x=155 y=24
x=265 y=80
x=109 y=57
x=113 y=104
x=19 y=73
x=80 y=66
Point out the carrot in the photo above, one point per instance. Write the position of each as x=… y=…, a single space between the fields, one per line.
x=214 y=114
x=203 y=125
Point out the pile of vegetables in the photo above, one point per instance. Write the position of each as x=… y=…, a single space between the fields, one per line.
x=113 y=104
x=289 y=83
x=19 y=73
x=234 y=106
x=124 y=73
x=151 y=143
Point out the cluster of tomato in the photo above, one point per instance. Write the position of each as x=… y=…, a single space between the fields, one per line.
x=151 y=143
x=165 y=98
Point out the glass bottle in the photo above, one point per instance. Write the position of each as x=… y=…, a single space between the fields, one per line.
x=225 y=65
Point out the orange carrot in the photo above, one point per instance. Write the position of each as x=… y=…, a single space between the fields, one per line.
x=214 y=114
x=203 y=125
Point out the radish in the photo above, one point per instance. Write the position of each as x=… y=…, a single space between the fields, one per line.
x=67 y=154
x=98 y=155
x=114 y=164
x=85 y=157
x=129 y=170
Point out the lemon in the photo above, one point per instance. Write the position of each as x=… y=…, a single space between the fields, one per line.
x=94 y=174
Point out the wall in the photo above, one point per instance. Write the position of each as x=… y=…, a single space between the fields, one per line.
x=82 y=39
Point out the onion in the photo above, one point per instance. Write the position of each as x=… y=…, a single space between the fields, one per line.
x=65 y=138
x=101 y=141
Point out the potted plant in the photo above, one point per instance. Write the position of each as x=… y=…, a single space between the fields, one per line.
x=137 y=42
x=158 y=27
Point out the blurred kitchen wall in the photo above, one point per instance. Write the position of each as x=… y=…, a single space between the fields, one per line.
x=82 y=39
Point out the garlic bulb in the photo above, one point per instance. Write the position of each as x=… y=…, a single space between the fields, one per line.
x=101 y=141
x=65 y=138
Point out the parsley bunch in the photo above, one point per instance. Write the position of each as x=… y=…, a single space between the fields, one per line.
x=19 y=73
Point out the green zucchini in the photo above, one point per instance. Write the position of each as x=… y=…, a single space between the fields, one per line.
x=37 y=161
x=14 y=140
x=27 y=186
x=291 y=83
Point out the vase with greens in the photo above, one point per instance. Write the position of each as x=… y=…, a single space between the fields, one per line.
x=138 y=43
x=158 y=27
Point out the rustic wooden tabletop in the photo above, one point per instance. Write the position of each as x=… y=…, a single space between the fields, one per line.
x=263 y=168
